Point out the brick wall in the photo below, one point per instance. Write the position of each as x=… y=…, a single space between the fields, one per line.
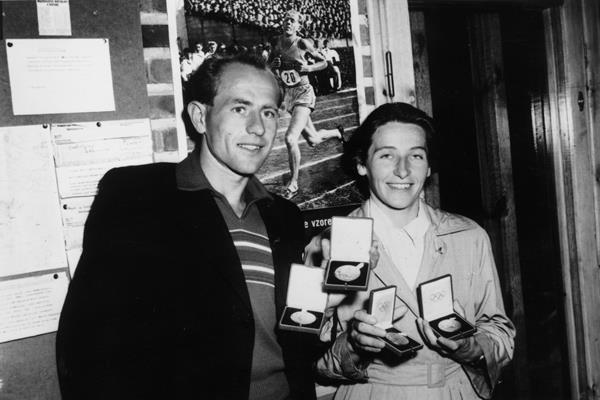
x=157 y=57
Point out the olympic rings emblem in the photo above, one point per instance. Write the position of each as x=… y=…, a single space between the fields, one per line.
x=437 y=296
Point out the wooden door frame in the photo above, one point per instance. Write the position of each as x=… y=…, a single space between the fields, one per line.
x=496 y=174
x=573 y=59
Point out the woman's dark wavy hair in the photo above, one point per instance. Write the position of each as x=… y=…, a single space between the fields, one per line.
x=203 y=84
x=355 y=151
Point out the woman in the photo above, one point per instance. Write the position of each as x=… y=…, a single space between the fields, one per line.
x=393 y=152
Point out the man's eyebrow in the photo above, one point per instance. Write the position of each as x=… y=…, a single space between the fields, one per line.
x=273 y=106
x=238 y=100
x=246 y=102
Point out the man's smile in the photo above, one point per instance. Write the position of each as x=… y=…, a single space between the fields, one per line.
x=400 y=186
x=250 y=146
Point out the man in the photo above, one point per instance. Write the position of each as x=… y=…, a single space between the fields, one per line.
x=333 y=70
x=197 y=57
x=289 y=59
x=184 y=269
x=186 y=66
x=211 y=49
x=392 y=152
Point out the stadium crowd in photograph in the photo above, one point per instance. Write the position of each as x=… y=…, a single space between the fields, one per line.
x=324 y=19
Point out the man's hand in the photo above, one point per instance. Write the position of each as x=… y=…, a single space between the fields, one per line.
x=463 y=351
x=318 y=250
x=276 y=63
x=300 y=67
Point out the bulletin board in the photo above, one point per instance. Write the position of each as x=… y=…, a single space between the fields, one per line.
x=28 y=366
x=115 y=20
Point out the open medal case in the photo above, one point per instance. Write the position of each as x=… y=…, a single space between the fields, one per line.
x=306 y=300
x=382 y=303
x=436 y=305
x=348 y=268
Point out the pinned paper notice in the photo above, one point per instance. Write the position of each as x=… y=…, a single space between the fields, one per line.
x=59 y=76
x=54 y=17
x=31 y=237
x=31 y=306
x=85 y=151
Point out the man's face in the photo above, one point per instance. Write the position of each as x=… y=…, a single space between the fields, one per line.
x=212 y=47
x=242 y=122
x=291 y=24
x=397 y=166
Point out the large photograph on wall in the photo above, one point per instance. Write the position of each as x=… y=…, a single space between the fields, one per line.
x=293 y=36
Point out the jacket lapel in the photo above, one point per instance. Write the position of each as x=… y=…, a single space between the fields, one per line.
x=432 y=253
x=389 y=274
x=207 y=229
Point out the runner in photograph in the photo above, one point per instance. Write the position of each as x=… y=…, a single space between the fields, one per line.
x=288 y=59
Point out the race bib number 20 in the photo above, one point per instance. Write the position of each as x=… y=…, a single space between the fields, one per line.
x=290 y=77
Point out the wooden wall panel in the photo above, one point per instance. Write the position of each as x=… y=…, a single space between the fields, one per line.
x=573 y=52
x=493 y=141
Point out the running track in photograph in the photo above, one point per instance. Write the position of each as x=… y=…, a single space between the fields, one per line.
x=322 y=181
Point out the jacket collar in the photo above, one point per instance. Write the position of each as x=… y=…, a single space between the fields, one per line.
x=445 y=223
x=442 y=223
x=191 y=177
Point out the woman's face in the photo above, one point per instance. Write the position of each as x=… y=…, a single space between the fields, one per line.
x=397 y=166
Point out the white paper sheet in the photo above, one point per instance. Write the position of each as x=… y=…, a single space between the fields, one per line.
x=305 y=288
x=51 y=76
x=31 y=306
x=102 y=151
x=88 y=143
x=73 y=257
x=73 y=237
x=31 y=237
x=351 y=238
x=85 y=151
x=87 y=131
x=54 y=17
x=436 y=298
x=75 y=210
x=83 y=180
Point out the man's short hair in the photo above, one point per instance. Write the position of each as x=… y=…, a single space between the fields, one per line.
x=356 y=151
x=204 y=83
x=293 y=14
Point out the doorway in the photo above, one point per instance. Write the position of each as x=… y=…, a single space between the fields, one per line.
x=463 y=178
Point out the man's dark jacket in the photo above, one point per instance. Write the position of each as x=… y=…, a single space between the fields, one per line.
x=158 y=307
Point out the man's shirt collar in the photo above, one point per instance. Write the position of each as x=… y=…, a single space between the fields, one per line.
x=190 y=177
